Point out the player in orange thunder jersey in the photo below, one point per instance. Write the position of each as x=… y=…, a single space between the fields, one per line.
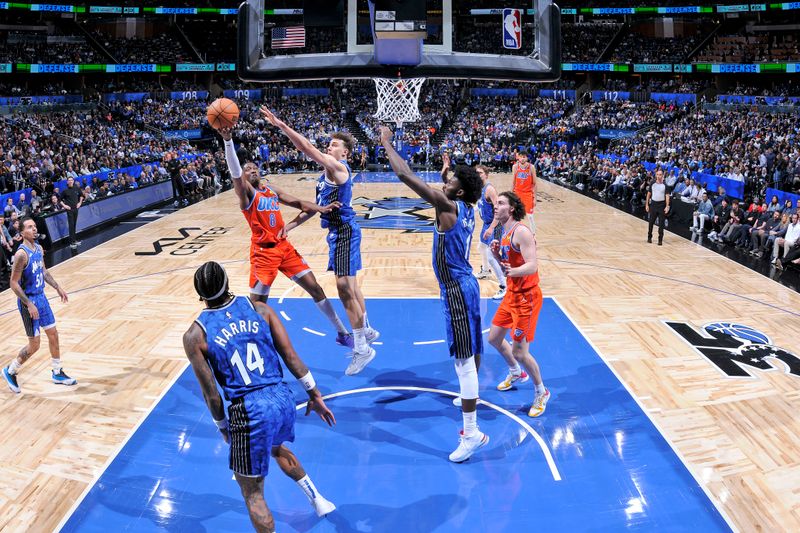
x=519 y=310
x=270 y=250
x=525 y=185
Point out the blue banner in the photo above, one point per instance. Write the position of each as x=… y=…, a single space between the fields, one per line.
x=485 y=91
x=598 y=96
x=782 y=196
x=308 y=91
x=5 y=68
x=14 y=197
x=185 y=134
x=27 y=100
x=558 y=94
x=194 y=67
x=747 y=99
x=243 y=94
x=188 y=95
x=615 y=134
x=733 y=188
x=678 y=98
x=125 y=97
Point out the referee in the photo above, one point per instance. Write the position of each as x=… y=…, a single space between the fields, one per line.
x=657 y=205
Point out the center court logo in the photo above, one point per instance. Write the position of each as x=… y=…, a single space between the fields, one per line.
x=734 y=347
x=190 y=246
x=398 y=213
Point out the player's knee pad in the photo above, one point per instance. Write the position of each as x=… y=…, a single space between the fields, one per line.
x=467 y=378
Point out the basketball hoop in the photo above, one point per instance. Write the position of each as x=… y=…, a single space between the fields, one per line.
x=398 y=99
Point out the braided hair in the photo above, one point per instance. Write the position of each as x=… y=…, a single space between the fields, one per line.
x=211 y=284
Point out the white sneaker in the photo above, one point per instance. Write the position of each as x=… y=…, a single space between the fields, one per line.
x=372 y=335
x=359 y=361
x=322 y=506
x=500 y=293
x=483 y=274
x=469 y=445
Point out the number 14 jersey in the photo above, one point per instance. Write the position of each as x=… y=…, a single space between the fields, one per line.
x=240 y=349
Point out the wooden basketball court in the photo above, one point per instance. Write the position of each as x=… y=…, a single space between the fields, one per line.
x=121 y=338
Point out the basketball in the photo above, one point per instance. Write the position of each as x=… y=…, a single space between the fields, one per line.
x=222 y=113
x=739 y=331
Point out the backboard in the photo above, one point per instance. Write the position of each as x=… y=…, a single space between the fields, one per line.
x=286 y=40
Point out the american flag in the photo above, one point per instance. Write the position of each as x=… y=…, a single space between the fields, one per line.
x=291 y=37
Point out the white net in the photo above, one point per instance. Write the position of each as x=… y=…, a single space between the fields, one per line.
x=398 y=99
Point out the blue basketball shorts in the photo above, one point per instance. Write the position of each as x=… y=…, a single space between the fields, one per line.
x=344 y=249
x=46 y=318
x=496 y=235
x=461 y=304
x=258 y=421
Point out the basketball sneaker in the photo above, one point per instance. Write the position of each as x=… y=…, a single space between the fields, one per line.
x=500 y=293
x=539 y=404
x=322 y=506
x=469 y=445
x=483 y=274
x=11 y=380
x=359 y=361
x=372 y=335
x=345 y=339
x=62 y=379
x=511 y=378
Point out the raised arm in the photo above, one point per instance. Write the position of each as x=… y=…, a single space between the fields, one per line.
x=335 y=169
x=244 y=190
x=194 y=344
x=435 y=197
x=295 y=365
x=445 y=167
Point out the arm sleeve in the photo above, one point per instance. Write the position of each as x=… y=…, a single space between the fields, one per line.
x=233 y=160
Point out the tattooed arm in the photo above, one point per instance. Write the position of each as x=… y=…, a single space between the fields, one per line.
x=48 y=278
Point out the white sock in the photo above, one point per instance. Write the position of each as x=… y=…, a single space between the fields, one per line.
x=308 y=487
x=56 y=364
x=360 y=340
x=516 y=370
x=498 y=270
x=540 y=388
x=470 y=423
x=14 y=367
x=326 y=308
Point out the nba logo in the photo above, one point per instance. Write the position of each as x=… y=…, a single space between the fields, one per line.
x=512 y=28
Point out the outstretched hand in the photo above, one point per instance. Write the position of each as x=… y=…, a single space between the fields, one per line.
x=385 y=134
x=226 y=132
x=446 y=160
x=317 y=404
x=270 y=116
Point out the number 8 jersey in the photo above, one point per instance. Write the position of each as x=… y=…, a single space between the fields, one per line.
x=264 y=217
x=240 y=348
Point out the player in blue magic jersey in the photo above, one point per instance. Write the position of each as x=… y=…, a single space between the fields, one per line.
x=490 y=231
x=460 y=295
x=344 y=235
x=28 y=277
x=240 y=344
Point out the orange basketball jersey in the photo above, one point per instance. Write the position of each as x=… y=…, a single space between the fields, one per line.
x=514 y=258
x=525 y=185
x=264 y=217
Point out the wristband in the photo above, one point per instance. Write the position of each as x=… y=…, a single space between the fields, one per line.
x=308 y=381
x=222 y=424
